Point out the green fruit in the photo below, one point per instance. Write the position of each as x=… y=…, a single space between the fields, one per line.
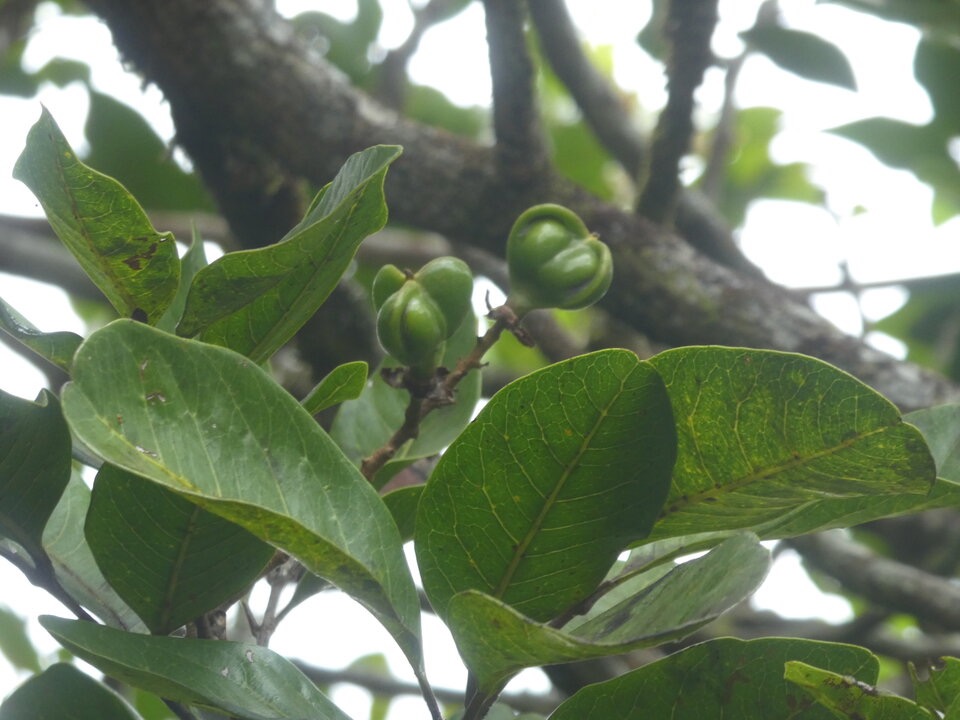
x=418 y=313
x=555 y=262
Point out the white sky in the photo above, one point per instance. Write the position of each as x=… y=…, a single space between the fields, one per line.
x=796 y=244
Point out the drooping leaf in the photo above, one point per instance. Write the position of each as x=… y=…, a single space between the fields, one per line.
x=850 y=698
x=34 y=466
x=57 y=347
x=403 y=504
x=784 y=444
x=73 y=563
x=496 y=641
x=64 y=692
x=559 y=472
x=135 y=267
x=170 y=560
x=253 y=301
x=727 y=677
x=212 y=426
x=344 y=382
x=245 y=681
x=15 y=645
x=365 y=424
x=803 y=53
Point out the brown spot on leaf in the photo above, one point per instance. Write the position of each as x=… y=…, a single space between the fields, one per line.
x=134 y=262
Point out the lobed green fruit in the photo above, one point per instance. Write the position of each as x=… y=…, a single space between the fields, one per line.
x=555 y=262
x=418 y=313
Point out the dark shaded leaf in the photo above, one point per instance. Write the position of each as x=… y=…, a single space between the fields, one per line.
x=720 y=678
x=65 y=693
x=170 y=560
x=802 y=53
x=57 y=347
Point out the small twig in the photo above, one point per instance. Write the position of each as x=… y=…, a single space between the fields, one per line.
x=425 y=398
x=690 y=25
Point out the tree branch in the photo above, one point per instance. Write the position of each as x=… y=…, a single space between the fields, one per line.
x=887 y=583
x=265 y=104
x=689 y=28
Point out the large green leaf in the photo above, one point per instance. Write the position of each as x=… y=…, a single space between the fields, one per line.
x=727 y=678
x=496 y=641
x=57 y=347
x=940 y=691
x=784 y=444
x=169 y=559
x=211 y=425
x=254 y=301
x=34 y=466
x=245 y=681
x=65 y=693
x=365 y=424
x=135 y=267
x=73 y=562
x=803 y=53
x=556 y=476
x=850 y=698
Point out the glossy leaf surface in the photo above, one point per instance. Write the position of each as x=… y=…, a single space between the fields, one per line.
x=253 y=301
x=496 y=641
x=169 y=559
x=135 y=266
x=559 y=472
x=721 y=678
x=784 y=444
x=57 y=347
x=34 y=466
x=245 y=681
x=209 y=424
x=66 y=693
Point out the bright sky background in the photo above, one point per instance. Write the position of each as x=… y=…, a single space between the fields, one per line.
x=796 y=244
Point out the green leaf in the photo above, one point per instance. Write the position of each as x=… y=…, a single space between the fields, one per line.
x=34 y=466
x=344 y=382
x=556 y=476
x=73 y=562
x=784 y=444
x=192 y=262
x=64 y=692
x=245 y=681
x=365 y=424
x=15 y=645
x=496 y=641
x=802 y=53
x=57 y=347
x=850 y=698
x=105 y=228
x=254 y=301
x=170 y=560
x=941 y=690
x=732 y=678
x=212 y=426
x=940 y=426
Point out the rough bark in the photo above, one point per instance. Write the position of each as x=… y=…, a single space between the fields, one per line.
x=261 y=116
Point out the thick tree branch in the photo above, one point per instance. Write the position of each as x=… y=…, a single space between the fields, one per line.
x=264 y=104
